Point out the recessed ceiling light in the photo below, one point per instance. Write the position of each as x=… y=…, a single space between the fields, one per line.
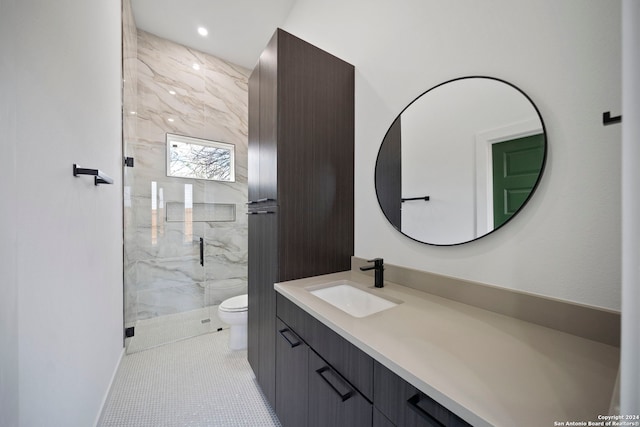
x=171 y=120
x=196 y=66
x=203 y=31
x=172 y=92
x=132 y=112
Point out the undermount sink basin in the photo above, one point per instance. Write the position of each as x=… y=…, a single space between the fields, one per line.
x=350 y=299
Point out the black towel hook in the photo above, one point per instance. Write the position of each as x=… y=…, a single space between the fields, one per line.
x=99 y=176
x=608 y=120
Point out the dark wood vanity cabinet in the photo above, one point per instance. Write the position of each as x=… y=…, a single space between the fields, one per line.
x=301 y=154
x=401 y=404
x=324 y=380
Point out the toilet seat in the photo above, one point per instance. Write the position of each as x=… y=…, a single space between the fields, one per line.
x=235 y=304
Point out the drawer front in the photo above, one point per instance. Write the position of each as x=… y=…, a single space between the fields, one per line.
x=354 y=364
x=292 y=373
x=332 y=400
x=292 y=315
x=404 y=405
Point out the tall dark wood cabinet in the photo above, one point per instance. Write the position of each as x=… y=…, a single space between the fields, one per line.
x=301 y=155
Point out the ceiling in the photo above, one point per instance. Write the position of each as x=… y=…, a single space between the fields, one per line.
x=238 y=29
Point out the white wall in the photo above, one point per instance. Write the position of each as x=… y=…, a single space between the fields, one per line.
x=62 y=254
x=566 y=57
x=9 y=363
x=629 y=369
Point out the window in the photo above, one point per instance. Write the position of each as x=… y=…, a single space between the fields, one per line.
x=200 y=159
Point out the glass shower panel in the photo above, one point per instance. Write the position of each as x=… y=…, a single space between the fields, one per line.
x=185 y=253
x=163 y=266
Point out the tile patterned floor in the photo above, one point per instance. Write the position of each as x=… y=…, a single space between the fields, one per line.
x=195 y=382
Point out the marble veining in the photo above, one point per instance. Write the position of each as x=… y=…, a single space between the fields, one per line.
x=168 y=94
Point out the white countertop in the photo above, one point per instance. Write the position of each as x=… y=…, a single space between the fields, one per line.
x=489 y=369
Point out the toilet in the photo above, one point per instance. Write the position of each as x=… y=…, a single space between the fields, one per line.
x=233 y=312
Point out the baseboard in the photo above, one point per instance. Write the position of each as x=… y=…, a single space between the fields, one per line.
x=589 y=322
x=108 y=392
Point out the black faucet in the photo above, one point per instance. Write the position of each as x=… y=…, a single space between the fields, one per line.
x=378 y=265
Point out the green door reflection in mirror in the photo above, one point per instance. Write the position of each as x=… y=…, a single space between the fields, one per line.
x=516 y=166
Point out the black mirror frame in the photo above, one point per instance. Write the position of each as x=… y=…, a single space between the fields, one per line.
x=533 y=190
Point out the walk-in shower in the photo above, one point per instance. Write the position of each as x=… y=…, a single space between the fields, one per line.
x=185 y=187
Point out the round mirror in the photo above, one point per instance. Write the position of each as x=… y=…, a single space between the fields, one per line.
x=460 y=160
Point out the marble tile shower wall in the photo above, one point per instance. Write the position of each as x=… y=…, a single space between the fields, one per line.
x=185 y=92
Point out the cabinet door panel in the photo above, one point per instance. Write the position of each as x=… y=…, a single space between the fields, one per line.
x=253 y=169
x=262 y=300
x=253 y=279
x=292 y=373
x=268 y=120
x=268 y=249
x=404 y=405
x=332 y=400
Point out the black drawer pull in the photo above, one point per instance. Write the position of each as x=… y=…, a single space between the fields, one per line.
x=259 y=212
x=253 y=202
x=413 y=404
x=291 y=343
x=343 y=396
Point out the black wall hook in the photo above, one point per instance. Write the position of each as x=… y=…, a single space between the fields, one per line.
x=99 y=177
x=608 y=120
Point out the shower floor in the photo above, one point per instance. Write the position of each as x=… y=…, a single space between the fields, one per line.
x=157 y=331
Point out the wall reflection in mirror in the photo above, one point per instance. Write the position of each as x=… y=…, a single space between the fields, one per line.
x=460 y=160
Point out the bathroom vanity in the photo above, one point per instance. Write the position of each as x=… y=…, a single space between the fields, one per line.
x=448 y=353
x=429 y=360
